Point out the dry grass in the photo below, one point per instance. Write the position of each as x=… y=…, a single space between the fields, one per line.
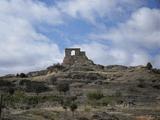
x=144 y=118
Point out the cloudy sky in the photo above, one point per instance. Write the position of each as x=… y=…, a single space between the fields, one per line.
x=34 y=33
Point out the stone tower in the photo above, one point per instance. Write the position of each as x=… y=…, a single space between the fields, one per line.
x=75 y=56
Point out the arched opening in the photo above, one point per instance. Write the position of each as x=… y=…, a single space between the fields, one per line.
x=73 y=53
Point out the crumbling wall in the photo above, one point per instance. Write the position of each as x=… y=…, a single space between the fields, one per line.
x=79 y=57
x=68 y=52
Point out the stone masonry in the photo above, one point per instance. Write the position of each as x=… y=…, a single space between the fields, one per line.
x=75 y=56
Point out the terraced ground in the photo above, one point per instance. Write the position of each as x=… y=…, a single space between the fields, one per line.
x=100 y=93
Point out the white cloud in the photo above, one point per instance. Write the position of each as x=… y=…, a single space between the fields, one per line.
x=91 y=9
x=108 y=55
x=139 y=35
x=33 y=11
x=139 y=59
x=22 y=48
x=95 y=51
x=157 y=61
x=142 y=28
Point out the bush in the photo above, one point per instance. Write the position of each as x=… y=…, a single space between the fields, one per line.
x=118 y=94
x=23 y=75
x=87 y=109
x=96 y=95
x=20 y=99
x=40 y=87
x=157 y=71
x=10 y=91
x=149 y=66
x=107 y=100
x=63 y=87
x=5 y=83
x=15 y=100
x=83 y=118
x=24 y=82
x=32 y=100
x=58 y=66
x=73 y=107
x=52 y=80
x=142 y=83
x=55 y=67
x=156 y=86
x=33 y=86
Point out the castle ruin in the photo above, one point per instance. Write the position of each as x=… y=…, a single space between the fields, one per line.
x=75 y=56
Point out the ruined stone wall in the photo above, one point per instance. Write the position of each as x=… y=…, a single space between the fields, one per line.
x=69 y=50
x=79 y=57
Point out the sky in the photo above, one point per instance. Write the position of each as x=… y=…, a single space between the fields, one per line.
x=34 y=33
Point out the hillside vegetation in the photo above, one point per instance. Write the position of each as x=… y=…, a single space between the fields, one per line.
x=82 y=92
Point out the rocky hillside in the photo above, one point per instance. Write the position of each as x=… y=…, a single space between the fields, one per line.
x=96 y=92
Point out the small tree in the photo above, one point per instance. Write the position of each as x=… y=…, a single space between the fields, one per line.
x=63 y=87
x=73 y=107
x=149 y=66
x=17 y=75
x=23 y=75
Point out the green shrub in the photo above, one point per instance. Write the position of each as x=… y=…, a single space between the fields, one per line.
x=22 y=75
x=19 y=96
x=118 y=94
x=5 y=83
x=63 y=87
x=107 y=100
x=52 y=98
x=87 y=109
x=32 y=100
x=21 y=99
x=149 y=66
x=95 y=95
x=141 y=83
x=73 y=107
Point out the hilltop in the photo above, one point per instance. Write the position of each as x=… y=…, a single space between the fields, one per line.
x=112 y=92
